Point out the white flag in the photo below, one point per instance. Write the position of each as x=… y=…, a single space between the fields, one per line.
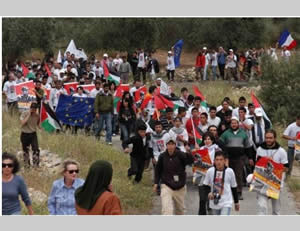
x=59 y=59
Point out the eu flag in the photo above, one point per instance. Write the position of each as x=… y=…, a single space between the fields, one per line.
x=177 y=52
x=75 y=111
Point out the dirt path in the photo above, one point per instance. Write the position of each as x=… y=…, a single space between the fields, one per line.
x=248 y=205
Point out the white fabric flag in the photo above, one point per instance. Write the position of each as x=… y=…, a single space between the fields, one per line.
x=59 y=59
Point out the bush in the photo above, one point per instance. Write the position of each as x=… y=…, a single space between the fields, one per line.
x=280 y=92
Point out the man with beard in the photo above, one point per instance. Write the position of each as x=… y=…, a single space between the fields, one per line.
x=236 y=145
x=272 y=150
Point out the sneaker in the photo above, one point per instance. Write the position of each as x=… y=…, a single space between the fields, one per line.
x=241 y=196
x=109 y=143
x=114 y=134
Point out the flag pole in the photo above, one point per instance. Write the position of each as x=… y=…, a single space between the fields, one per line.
x=194 y=131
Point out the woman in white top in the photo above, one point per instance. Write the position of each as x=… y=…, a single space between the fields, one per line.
x=208 y=143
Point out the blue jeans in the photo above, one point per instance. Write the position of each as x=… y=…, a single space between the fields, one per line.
x=222 y=211
x=16 y=213
x=126 y=130
x=291 y=156
x=104 y=117
x=214 y=72
x=115 y=123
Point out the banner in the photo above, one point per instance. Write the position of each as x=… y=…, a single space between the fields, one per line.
x=202 y=161
x=177 y=52
x=71 y=88
x=267 y=177
x=25 y=95
x=88 y=88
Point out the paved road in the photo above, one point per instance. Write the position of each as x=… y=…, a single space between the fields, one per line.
x=247 y=206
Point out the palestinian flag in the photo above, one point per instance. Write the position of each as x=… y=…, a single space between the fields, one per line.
x=119 y=94
x=199 y=93
x=48 y=119
x=197 y=134
x=24 y=69
x=257 y=104
x=146 y=100
x=105 y=69
x=114 y=78
x=177 y=104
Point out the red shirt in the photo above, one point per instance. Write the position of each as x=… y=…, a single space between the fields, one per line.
x=200 y=61
x=189 y=128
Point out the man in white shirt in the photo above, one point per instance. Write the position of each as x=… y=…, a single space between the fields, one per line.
x=117 y=62
x=55 y=93
x=137 y=85
x=272 y=150
x=291 y=133
x=96 y=90
x=170 y=66
x=286 y=54
x=207 y=61
x=203 y=125
x=9 y=89
x=141 y=65
x=242 y=103
x=197 y=104
x=80 y=93
x=214 y=64
x=213 y=119
x=98 y=70
x=220 y=185
x=231 y=61
x=184 y=94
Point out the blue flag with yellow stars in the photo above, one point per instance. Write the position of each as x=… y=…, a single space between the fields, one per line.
x=75 y=111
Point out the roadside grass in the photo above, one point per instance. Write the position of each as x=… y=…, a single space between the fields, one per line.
x=135 y=199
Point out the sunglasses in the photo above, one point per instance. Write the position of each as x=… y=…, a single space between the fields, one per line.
x=72 y=171
x=7 y=165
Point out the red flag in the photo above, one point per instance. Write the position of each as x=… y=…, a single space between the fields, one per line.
x=156 y=115
x=146 y=100
x=159 y=104
x=25 y=70
x=201 y=157
x=69 y=86
x=298 y=136
x=121 y=89
x=198 y=93
x=255 y=100
x=48 y=70
x=137 y=93
x=105 y=69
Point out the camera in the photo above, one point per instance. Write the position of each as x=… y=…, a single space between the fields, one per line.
x=217 y=197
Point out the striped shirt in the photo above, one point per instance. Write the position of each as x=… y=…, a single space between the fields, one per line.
x=62 y=200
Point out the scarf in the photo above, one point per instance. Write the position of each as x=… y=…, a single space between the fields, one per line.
x=96 y=183
x=177 y=131
x=158 y=136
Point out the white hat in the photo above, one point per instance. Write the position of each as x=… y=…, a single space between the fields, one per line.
x=158 y=79
x=230 y=50
x=171 y=139
x=169 y=52
x=105 y=55
x=204 y=48
x=258 y=112
x=234 y=118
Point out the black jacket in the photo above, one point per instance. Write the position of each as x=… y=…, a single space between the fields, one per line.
x=139 y=150
x=168 y=168
x=129 y=116
x=155 y=65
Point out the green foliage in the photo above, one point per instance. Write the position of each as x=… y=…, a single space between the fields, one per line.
x=280 y=83
x=20 y=35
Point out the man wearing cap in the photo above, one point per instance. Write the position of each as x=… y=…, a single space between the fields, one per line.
x=30 y=120
x=258 y=130
x=231 y=61
x=170 y=171
x=170 y=66
x=236 y=144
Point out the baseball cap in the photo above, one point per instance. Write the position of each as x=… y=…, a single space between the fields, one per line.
x=158 y=79
x=105 y=55
x=234 y=118
x=204 y=48
x=230 y=50
x=258 y=112
x=169 y=52
x=171 y=139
